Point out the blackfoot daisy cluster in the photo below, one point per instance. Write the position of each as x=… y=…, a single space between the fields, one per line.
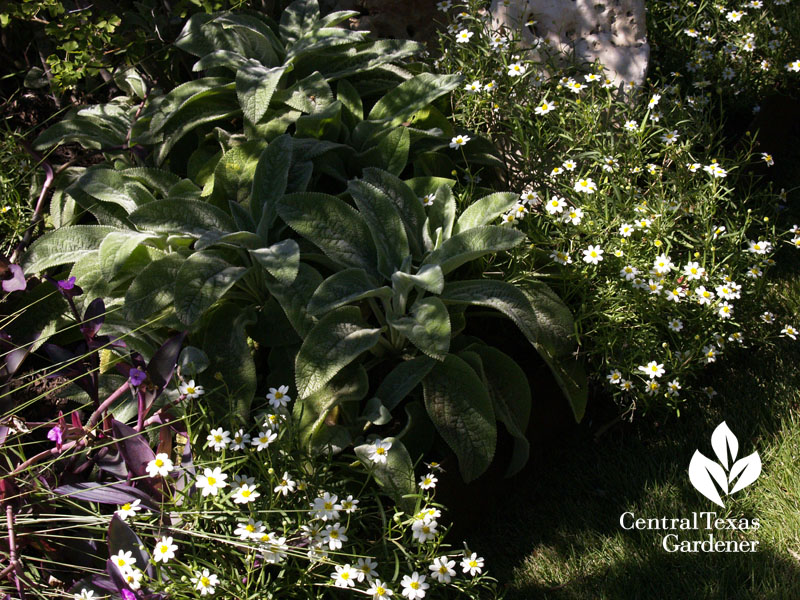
x=659 y=237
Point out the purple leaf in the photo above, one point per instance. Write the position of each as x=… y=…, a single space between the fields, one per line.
x=93 y=318
x=110 y=460
x=17 y=281
x=105 y=493
x=134 y=448
x=162 y=365
x=122 y=537
x=3 y=434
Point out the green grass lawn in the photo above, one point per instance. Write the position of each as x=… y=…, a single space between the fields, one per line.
x=557 y=535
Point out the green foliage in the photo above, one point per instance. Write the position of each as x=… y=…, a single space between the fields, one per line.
x=653 y=224
x=206 y=184
x=380 y=307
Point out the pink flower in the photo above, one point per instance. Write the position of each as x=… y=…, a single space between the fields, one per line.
x=56 y=435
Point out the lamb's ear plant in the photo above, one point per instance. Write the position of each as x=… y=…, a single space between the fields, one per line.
x=390 y=304
x=179 y=226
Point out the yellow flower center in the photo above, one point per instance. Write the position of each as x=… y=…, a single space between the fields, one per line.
x=414 y=585
x=164 y=548
x=121 y=562
x=212 y=481
x=205 y=581
x=380 y=451
x=246 y=493
x=334 y=534
x=345 y=575
x=217 y=438
x=126 y=506
x=250 y=528
x=159 y=462
x=190 y=389
x=442 y=569
x=380 y=590
x=278 y=395
x=329 y=506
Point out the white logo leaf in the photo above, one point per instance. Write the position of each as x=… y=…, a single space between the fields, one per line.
x=703 y=472
x=750 y=469
x=723 y=441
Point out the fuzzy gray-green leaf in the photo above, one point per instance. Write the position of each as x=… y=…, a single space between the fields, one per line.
x=153 y=289
x=459 y=406
x=282 y=260
x=202 y=280
x=384 y=224
x=485 y=210
x=405 y=201
x=270 y=181
x=427 y=327
x=345 y=287
x=333 y=226
x=255 y=85
x=63 y=246
x=468 y=245
x=335 y=341
x=396 y=476
x=191 y=217
x=413 y=95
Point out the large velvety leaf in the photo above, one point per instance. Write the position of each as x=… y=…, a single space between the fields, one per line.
x=109 y=185
x=405 y=201
x=514 y=304
x=413 y=95
x=485 y=210
x=298 y=19
x=269 y=181
x=281 y=260
x=333 y=226
x=429 y=278
x=460 y=408
x=402 y=379
x=116 y=248
x=471 y=244
x=344 y=287
x=384 y=224
x=427 y=327
x=557 y=324
x=63 y=246
x=255 y=85
x=348 y=385
x=511 y=397
x=182 y=216
x=396 y=476
x=335 y=341
x=294 y=298
x=390 y=152
x=224 y=340
x=153 y=289
x=202 y=280
x=441 y=219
